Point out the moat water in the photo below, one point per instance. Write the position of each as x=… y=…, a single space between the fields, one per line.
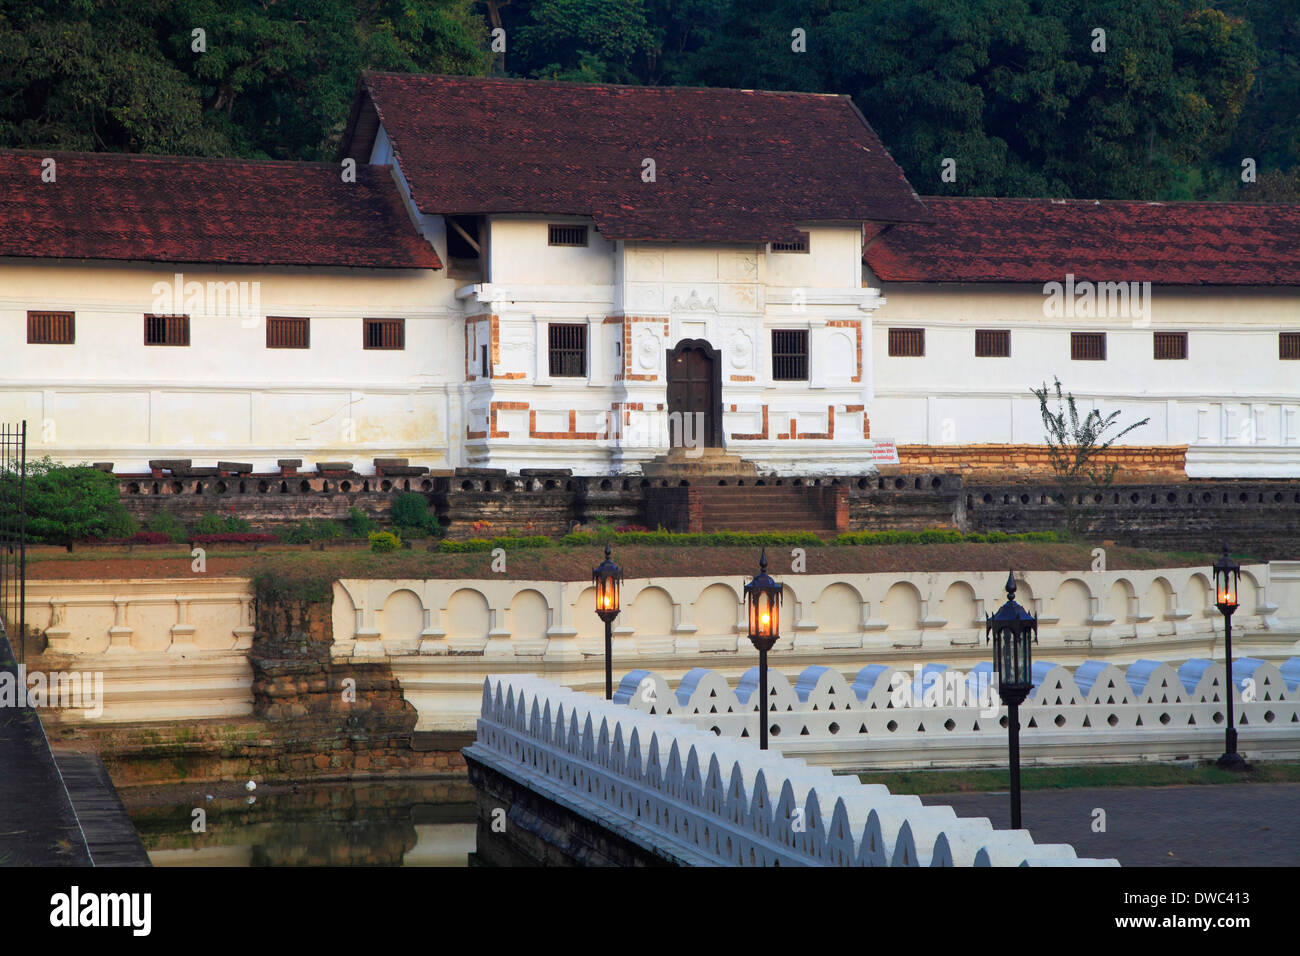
x=339 y=824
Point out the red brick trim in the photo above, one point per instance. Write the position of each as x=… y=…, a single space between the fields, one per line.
x=760 y=436
x=743 y=378
x=493 y=431
x=572 y=433
x=855 y=324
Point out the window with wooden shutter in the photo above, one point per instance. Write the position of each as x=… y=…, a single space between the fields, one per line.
x=166 y=330
x=1088 y=346
x=385 y=334
x=1169 y=345
x=560 y=235
x=51 y=328
x=568 y=350
x=1288 y=345
x=798 y=245
x=789 y=355
x=907 y=343
x=992 y=343
x=287 y=332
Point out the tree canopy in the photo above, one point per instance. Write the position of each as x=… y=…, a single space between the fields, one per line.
x=1147 y=99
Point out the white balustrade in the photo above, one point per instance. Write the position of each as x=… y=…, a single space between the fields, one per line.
x=710 y=800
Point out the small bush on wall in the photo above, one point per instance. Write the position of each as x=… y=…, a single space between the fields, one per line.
x=67 y=503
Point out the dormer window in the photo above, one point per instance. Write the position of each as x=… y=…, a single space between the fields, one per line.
x=559 y=235
x=798 y=245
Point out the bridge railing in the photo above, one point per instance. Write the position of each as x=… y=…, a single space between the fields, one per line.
x=712 y=800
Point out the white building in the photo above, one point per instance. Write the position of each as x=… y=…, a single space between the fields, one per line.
x=519 y=274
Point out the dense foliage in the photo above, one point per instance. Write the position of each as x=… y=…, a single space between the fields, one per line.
x=1018 y=92
x=67 y=503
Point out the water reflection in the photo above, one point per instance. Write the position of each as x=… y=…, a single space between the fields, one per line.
x=345 y=824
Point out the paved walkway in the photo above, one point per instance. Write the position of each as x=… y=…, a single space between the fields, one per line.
x=1248 y=824
x=38 y=826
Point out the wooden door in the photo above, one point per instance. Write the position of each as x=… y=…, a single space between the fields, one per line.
x=694 y=395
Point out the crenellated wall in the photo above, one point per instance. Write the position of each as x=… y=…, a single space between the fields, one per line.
x=589 y=782
x=884 y=716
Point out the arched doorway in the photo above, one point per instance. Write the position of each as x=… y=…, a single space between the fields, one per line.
x=695 y=389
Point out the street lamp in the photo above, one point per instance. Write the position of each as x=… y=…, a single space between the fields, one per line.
x=607 y=576
x=1013 y=630
x=763 y=595
x=1227 y=573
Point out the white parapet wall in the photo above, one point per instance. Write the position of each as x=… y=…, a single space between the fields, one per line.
x=443 y=636
x=706 y=800
x=163 y=649
x=934 y=716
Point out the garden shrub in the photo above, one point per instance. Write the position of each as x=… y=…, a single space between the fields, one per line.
x=382 y=542
x=67 y=503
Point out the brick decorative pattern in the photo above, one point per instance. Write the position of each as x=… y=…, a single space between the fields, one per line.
x=572 y=433
x=629 y=322
x=1134 y=463
x=493 y=431
x=756 y=436
x=857 y=355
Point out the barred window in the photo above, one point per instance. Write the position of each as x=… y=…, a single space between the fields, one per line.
x=1169 y=345
x=166 y=330
x=568 y=345
x=1088 y=346
x=1288 y=345
x=566 y=235
x=387 y=334
x=286 y=332
x=51 y=328
x=798 y=245
x=789 y=355
x=992 y=343
x=907 y=343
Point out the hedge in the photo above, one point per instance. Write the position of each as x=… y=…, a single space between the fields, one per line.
x=703 y=539
x=233 y=537
x=484 y=544
x=940 y=536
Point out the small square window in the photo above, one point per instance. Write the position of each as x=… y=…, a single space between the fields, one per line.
x=992 y=343
x=789 y=355
x=1288 y=345
x=387 y=334
x=166 y=330
x=51 y=328
x=1169 y=345
x=285 y=332
x=568 y=350
x=797 y=245
x=907 y=343
x=566 y=235
x=1088 y=346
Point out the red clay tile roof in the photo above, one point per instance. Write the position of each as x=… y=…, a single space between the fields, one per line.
x=1040 y=240
x=731 y=165
x=175 y=209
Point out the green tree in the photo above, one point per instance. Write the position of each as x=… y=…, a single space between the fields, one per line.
x=67 y=503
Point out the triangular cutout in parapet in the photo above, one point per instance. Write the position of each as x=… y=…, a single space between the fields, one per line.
x=976 y=725
x=1033 y=722
x=1191 y=720
x=1139 y=721
x=744 y=732
x=804 y=732
x=1086 y=721
x=862 y=729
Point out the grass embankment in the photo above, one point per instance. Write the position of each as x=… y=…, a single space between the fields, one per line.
x=1068 y=778
x=302 y=570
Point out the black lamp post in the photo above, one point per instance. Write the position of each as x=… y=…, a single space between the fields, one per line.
x=763 y=595
x=1013 y=630
x=1227 y=573
x=607 y=576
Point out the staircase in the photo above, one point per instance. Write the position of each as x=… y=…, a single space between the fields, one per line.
x=821 y=509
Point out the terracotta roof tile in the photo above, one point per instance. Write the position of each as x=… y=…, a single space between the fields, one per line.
x=178 y=209
x=730 y=165
x=1041 y=240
